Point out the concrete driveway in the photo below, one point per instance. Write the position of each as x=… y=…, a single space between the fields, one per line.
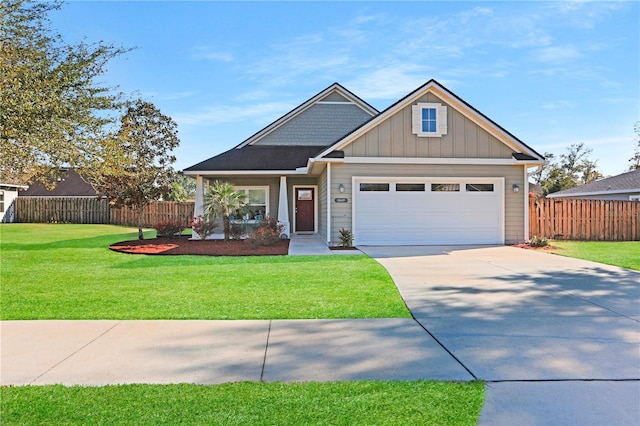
x=545 y=331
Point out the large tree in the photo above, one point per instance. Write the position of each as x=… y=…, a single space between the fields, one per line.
x=569 y=170
x=53 y=113
x=136 y=166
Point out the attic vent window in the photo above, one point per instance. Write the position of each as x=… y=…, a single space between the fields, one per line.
x=429 y=120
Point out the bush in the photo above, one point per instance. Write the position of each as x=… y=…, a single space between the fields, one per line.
x=346 y=238
x=536 y=241
x=169 y=228
x=203 y=227
x=266 y=234
x=236 y=231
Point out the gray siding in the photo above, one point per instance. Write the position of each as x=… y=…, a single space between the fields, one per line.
x=320 y=124
x=514 y=202
x=393 y=138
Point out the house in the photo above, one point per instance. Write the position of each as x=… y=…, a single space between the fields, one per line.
x=69 y=184
x=8 y=193
x=625 y=186
x=429 y=169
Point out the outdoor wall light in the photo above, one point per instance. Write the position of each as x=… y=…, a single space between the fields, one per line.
x=341 y=188
x=516 y=188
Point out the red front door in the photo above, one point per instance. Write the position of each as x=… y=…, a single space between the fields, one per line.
x=305 y=210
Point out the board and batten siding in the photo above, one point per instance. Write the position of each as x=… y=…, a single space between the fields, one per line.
x=393 y=138
x=514 y=201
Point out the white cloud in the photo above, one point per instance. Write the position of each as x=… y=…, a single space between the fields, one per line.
x=217 y=114
x=204 y=52
x=556 y=54
x=560 y=104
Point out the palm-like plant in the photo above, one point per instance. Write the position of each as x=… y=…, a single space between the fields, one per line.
x=221 y=199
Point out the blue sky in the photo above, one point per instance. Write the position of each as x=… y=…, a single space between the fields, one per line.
x=552 y=73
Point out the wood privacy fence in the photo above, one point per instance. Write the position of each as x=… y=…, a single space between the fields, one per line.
x=94 y=210
x=590 y=220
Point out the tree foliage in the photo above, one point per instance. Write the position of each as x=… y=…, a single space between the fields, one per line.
x=569 y=170
x=136 y=162
x=220 y=200
x=634 y=162
x=183 y=188
x=53 y=113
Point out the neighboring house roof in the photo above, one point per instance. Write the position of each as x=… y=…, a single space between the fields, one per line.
x=620 y=184
x=536 y=189
x=70 y=184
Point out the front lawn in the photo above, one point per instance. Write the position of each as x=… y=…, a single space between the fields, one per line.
x=68 y=272
x=344 y=403
x=619 y=253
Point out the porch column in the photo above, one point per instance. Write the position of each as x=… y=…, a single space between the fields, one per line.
x=283 y=207
x=198 y=209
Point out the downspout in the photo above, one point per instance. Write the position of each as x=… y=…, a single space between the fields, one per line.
x=329 y=203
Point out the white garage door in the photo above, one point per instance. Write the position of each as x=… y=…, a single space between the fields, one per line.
x=405 y=211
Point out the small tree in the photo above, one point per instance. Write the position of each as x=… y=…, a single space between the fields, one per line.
x=220 y=200
x=634 y=162
x=135 y=166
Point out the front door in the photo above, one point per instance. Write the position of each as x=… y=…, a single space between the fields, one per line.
x=305 y=210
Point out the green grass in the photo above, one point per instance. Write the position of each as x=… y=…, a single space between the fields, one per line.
x=68 y=272
x=625 y=253
x=346 y=403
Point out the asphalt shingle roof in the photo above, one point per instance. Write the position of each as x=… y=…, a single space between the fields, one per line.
x=624 y=181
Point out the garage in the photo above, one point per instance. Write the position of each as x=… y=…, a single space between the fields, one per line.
x=428 y=211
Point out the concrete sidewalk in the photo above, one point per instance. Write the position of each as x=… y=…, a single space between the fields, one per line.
x=209 y=352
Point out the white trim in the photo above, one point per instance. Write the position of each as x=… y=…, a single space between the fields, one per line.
x=415 y=160
x=439 y=91
x=430 y=179
x=315 y=207
x=605 y=192
x=440 y=119
x=328 y=201
x=263 y=187
x=526 y=204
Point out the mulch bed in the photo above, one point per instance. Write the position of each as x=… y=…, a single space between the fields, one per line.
x=182 y=245
x=530 y=247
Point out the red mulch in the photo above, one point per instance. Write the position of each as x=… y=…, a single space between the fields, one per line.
x=530 y=247
x=182 y=245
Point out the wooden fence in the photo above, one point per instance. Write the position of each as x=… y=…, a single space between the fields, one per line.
x=94 y=210
x=589 y=220
x=155 y=212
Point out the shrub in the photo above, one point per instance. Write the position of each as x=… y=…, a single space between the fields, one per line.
x=203 y=227
x=266 y=234
x=536 y=241
x=236 y=231
x=169 y=228
x=346 y=238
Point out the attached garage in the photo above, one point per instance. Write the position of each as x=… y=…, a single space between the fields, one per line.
x=428 y=211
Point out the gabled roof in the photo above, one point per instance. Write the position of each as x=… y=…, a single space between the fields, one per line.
x=524 y=152
x=622 y=183
x=333 y=91
x=70 y=184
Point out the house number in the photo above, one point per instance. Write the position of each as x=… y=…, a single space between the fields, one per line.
x=341 y=200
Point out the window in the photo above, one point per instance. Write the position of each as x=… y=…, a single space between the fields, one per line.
x=479 y=187
x=429 y=120
x=410 y=187
x=366 y=187
x=445 y=187
x=257 y=199
x=634 y=197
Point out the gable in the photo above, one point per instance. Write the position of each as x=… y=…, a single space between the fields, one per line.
x=467 y=133
x=320 y=124
x=394 y=137
x=319 y=121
